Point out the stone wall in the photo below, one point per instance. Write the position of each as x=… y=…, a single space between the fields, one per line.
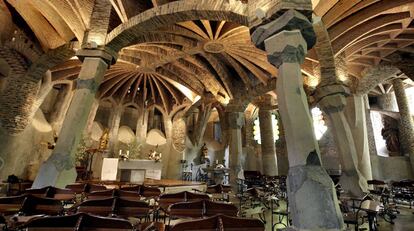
x=391 y=168
x=24 y=153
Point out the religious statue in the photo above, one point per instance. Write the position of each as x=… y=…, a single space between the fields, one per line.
x=390 y=135
x=103 y=141
x=204 y=155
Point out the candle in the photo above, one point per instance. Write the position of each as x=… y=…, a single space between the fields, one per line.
x=120 y=151
x=183 y=156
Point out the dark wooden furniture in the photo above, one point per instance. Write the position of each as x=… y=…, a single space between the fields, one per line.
x=80 y=221
x=11 y=205
x=64 y=195
x=220 y=223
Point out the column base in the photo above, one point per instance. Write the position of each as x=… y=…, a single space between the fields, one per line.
x=312 y=197
x=55 y=172
x=354 y=184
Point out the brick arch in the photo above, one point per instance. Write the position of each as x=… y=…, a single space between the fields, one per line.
x=19 y=99
x=128 y=33
x=374 y=76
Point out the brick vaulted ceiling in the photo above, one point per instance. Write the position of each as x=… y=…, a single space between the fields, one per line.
x=208 y=55
x=366 y=32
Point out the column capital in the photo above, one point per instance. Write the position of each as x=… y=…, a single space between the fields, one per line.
x=332 y=98
x=265 y=103
x=286 y=47
x=289 y=21
x=107 y=54
x=235 y=119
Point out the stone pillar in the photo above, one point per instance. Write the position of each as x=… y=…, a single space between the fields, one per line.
x=312 y=198
x=406 y=122
x=61 y=107
x=268 y=146
x=59 y=169
x=370 y=128
x=142 y=126
x=114 y=130
x=332 y=101
x=91 y=117
x=355 y=111
x=235 y=121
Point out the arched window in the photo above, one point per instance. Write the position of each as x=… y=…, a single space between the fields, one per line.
x=318 y=123
x=256 y=129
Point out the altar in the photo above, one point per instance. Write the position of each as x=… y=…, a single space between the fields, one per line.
x=134 y=171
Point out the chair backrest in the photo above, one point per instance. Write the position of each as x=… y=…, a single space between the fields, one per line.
x=103 y=194
x=11 y=205
x=94 y=223
x=194 y=209
x=129 y=195
x=62 y=194
x=38 y=192
x=100 y=207
x=77 y=187
x=54 y=222
x=167 y=199
x=94 y=187
x=219 y=188
x=241 y=224
x=196 y=196
x=220 y=222
x=214 y=208
x=208 y=224
x=133 y=188
x=150 y=192
x=33 y=205
x=80 y=221
x=131 y=208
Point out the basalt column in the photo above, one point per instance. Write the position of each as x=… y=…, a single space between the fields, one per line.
x=332 y=101
x=266 y=135
x=312 y=198
x=114 y=130
x=406 y=123
x=59 y=169
x=235 y=122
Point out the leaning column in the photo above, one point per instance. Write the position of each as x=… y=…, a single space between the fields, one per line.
x=312 y=198
x=59 y=169
x=406 y=123
x=268 y=145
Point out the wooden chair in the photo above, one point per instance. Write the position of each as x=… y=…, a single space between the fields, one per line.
x=194 y=209
x=41 y=192
x=100 y=207
x=150 y=192
x=11 y=205
x=64 y=195
x=80 y=221
x=78 y=188
x=129 y=195
x=189 y=196
x=167 y=199
x=132 y=188
x=94 y=187
x=131 y=208
x=221 y=223
x=102 y=194
x=33 y=205
x=212 y=208
x=152 y=226
x=219 y=192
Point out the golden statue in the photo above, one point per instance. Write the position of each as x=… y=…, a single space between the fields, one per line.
x=103 y=141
